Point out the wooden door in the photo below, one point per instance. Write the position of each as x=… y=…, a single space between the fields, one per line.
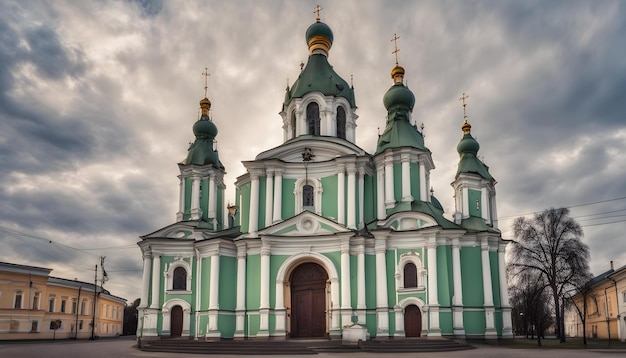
x=176 y=321
x=308 y=301
x=412 y=321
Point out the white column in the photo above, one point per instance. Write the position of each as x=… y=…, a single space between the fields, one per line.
x=465 y=202
x=278 y=195
x=361 y=196
x=351 y=197
x=156 y=280
x=507 y=324
x=212 y=200
x=253 y=222
x=268 y=197
x=181 y=199
x=381 y=213
x=241 y=290
x=406 y=177
x=360 y=283
x=265 y=291
x=390 y=200
x=423 y=182
x=214 y=282
x=433 y=296
x=145 y=281
x=382 y=305
x=346 y=307
x=484 y=207
x=341 y=197
x=490 y=323
x=198 y=290
x=494 y=209
x=457 y=302
x=195 y=198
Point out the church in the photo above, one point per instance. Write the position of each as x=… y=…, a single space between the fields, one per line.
x=324 y=236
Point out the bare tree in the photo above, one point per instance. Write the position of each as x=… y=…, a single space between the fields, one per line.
x=530 y=303
x=550 y=245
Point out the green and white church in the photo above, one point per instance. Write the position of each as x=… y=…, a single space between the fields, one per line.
x=325 y=236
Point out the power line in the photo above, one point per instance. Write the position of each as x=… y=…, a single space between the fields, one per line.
x=568 y=207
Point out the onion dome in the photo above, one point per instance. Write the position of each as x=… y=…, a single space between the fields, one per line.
x=205 y=128
x=467 y=145
x=201 y=152
x=319 y=38
x=399 y=96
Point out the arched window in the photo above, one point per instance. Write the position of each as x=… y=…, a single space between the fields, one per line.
x=313 y=118
x=17 y=303
x=308 y=197
x=293 y=124
x=341 y=123
x=180 y=279
x=410 y=275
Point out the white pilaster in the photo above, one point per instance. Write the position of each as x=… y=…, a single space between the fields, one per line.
x=382 y=304
x=390 y=200
x=241 y=290
x=181 y=198
x=361 y=196
x=253 y=222
x=278 y=195
x=212 y=201
x=198 y=291
x=494 y=210
x=507 y=324
x=433 y=295
x=265 y=291
x=341 y=197
x=484 y=205
x=145 y=281
x=195 y=198
x=423 y=183
x=346 y=308
x=457 y=302
x=214 y=282
x=360 y=283
x=406 y=177
x=268 y=197
x=381 y=214
x=156 y=281
x=351 y=197
x=465 y=203
x=490 y=323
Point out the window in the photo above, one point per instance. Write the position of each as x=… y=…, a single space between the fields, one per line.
x=63 y=306
x=624 y=297
x=180 y=279
x=51 y=305
x=17 y=303
x=308 y=196
x=74 y=306
x=341 y=123
x=55 y=324
x=80 y=325
x=313 y=118
x=293 y=124
x=410 y=275
x=82 y=307
x=34 y=326
x=36 y=301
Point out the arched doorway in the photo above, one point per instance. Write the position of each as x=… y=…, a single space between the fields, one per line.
x=308 y=300
x=412 y=321
x=176 y=323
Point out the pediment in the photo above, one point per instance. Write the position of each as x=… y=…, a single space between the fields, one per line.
x=179 y=230
x=324 y=149
x=305 y=224
x=405 y=221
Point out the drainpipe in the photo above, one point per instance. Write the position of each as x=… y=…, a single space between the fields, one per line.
x=77 y=305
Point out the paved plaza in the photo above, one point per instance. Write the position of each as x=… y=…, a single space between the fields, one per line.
x=125 y=347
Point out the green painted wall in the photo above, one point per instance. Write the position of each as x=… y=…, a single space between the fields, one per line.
x=370 y=323
x=244 y=212
x=445 y=322
x=289 y=203
x=286 y=230
x=254 y=323
x=444 y=275
x=204 y=320
x=471 y=271
x=397 y=182
x=262 y=199
x=498 y=319
x=226 y=324
x=219 y=210
x=187 y=212
x=275 y=262
x=204 y=197
x=415 y=181
x=205 y=287
x=495 y=278
x=238 y=204
x=253 y=279
x=329 y=197
x=353 y=281
x=369 y=198
x=391 y=280
x=370 y=282
x=474 y=322
x=228 y=283
x=473 y=196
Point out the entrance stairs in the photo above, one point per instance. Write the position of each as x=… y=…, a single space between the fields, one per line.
x=301 y=346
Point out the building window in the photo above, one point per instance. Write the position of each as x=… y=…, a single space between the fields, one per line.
x=74 y=306
x=63 y=306
x=313 y=118
x=17 y=303
x=180 y=279
x=51 y=305
x=410 y=275
x=624 y=297
x=308 y=196
x=34 y=326
x=293 y=124
x=341 y=123
x=82 y=307
x=36 y=301
x=80 y=325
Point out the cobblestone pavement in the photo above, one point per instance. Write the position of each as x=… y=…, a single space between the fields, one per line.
x=125 y=347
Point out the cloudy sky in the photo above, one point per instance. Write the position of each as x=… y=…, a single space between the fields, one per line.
x=97 y=101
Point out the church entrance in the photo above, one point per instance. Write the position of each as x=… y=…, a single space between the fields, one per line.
x=308 y=301
x=176 y=321
x=412 y=321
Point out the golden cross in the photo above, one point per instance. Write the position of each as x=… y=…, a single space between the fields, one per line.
x=463 y=98
x=395 y=45
x=206 y=75
x=317 y=10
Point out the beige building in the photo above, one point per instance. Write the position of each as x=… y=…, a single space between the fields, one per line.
x=606 y=308
x=34 y=305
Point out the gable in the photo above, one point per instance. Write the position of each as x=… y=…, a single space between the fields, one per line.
x=180 y=230
x=405 y=221
x=305 y=224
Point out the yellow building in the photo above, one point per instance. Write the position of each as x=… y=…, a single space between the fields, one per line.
x=34 y=305
x=605 y=308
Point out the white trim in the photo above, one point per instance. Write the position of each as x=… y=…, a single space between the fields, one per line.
x=169 y=275
x=167 y=307
x=317 y=191
x=414 y=258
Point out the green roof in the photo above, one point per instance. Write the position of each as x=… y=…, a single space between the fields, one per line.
x=425 y=208
x=319 y=76
x=474 y=223
x=400 y=133
x=469 y=163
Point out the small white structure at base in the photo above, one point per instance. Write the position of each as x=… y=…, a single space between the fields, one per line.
x=354 y=335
